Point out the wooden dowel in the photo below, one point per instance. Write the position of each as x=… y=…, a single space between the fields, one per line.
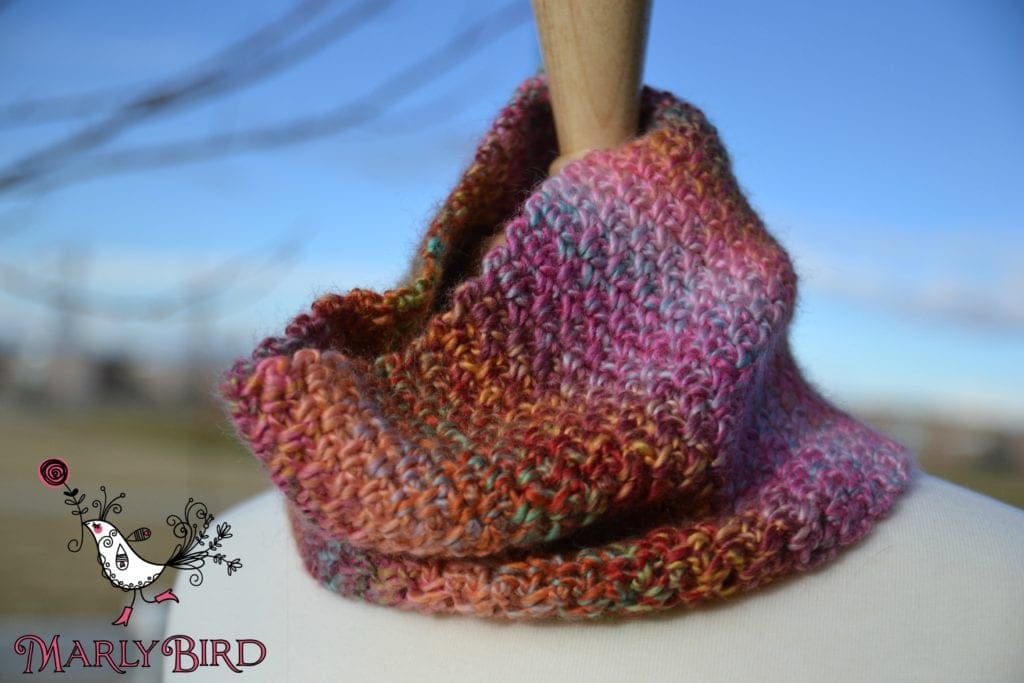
x=593 y=56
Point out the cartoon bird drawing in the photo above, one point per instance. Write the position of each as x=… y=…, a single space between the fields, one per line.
x=119 y=562
x=123 y=567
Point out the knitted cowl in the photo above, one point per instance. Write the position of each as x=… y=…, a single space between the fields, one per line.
x=605 y=420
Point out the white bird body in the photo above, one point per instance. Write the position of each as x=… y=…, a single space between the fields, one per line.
x=119 y=562
x=127 y=570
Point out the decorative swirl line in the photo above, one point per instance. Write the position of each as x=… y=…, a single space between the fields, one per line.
x=53 y=472
x=108 y=507
x=191 y=527
x=74 y=498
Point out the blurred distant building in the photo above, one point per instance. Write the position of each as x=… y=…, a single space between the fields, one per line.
x=114 y=378
x=7 y=360
x=71 y=379
x=939 y=440
x=1001 y=457
x=68 y=378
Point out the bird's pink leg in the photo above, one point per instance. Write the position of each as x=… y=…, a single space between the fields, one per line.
x=126 y=613
x=166 y=595
x=122 y=620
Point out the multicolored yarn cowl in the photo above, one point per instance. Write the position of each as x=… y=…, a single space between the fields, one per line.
x=605 y=419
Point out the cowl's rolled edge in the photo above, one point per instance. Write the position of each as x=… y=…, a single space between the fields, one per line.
x=796 y=521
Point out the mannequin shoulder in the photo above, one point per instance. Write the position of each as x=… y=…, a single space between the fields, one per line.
x=940 y=518
x=932 y=593
x=950 y=553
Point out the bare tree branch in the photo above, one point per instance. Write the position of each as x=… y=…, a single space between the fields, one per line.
x=75 y=105
x=392 y=90
x=61 y=295
x=167 y=97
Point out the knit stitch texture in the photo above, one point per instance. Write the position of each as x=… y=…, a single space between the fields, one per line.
x=605 y=420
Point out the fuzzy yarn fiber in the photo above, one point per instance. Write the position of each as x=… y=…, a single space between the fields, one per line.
x=605 y=420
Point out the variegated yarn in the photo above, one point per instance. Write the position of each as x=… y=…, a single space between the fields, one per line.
x=606 y=420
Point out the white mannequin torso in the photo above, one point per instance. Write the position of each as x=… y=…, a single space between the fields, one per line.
x=934 y=593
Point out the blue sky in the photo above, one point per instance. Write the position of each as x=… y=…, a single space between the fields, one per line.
x=881 y=142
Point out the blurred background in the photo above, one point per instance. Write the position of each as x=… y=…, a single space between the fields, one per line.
x=177 y=180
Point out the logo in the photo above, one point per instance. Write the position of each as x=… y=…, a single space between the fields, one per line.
x=120 y=562
x=124 y=568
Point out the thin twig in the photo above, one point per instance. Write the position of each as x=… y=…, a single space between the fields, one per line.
x=173 y=95
x=362 y=110
x=76 y=105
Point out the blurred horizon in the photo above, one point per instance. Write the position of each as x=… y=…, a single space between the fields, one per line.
x=881 y=146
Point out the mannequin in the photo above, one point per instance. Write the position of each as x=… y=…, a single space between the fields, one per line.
x=932 y=594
